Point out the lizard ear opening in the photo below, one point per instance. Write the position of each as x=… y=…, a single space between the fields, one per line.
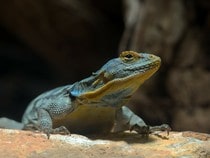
x=73 y=93
x=72 y=96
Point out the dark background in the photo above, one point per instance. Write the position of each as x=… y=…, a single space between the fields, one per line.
x=49 y=43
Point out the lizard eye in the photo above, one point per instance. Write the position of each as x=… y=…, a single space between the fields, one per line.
x=129 y=56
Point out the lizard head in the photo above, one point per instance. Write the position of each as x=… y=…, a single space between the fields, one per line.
x=128 y=66
x=119 y=77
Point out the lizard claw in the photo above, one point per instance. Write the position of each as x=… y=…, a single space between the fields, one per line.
x=61 y=130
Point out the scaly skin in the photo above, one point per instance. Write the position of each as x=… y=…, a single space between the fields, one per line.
x=97 y=103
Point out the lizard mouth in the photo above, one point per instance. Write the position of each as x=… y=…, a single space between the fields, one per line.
x=147 y=67
x=145 y=71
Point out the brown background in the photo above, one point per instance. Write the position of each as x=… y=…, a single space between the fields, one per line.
x=48 y=43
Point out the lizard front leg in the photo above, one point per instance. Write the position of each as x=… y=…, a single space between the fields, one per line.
x=50 y=110
x=125 y=119
x=45 y=124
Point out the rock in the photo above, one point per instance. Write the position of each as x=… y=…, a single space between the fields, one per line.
x=16 y=143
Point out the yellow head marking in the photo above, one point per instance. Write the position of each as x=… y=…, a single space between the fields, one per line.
x=102 y=77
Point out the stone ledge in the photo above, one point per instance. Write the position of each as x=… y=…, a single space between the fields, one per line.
x=16 y=143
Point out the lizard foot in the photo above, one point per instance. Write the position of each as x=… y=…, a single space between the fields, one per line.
x=163 y=127
x=30 y=127
x=60 y=130
x=146 y=130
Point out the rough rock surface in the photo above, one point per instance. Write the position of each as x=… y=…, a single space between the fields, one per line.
x=50 y=43
x=14 y=143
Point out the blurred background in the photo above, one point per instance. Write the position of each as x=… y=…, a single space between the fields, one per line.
x=49 y=43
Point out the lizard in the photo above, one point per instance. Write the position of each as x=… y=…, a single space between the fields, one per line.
x=97 y=103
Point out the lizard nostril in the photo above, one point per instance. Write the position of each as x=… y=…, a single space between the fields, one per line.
x=151 y=56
